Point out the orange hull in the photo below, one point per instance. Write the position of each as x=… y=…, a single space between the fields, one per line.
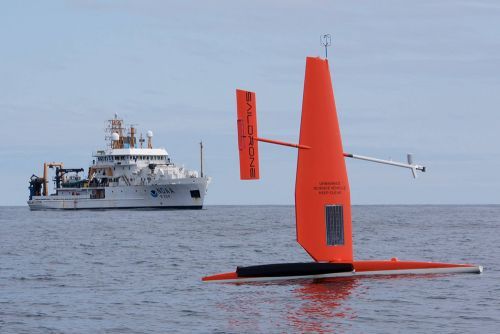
x=363 y=269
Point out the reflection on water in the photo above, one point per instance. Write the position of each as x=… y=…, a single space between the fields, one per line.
x=302 y=306
x=306 y=306
x=322 y=303
x=64 y=271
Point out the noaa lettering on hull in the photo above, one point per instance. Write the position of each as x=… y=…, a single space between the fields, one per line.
x=128 y=174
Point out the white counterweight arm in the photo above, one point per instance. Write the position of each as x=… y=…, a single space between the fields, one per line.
x=413 y=167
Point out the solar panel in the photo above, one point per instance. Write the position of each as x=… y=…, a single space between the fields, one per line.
x=334 y=217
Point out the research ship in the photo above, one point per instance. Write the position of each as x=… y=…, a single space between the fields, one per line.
x=128 y=174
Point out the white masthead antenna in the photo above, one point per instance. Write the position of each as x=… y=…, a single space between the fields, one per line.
x=325 y=40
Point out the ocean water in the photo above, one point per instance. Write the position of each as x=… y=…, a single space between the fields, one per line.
x=140 y=272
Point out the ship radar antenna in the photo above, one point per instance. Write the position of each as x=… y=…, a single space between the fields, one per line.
x=325 y=40
x=149 y=134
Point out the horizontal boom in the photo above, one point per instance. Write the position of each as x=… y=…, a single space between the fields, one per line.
x=409 y=165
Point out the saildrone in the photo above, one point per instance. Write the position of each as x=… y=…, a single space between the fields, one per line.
x=322 y=195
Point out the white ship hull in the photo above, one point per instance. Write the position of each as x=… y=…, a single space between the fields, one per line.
x=188 y=193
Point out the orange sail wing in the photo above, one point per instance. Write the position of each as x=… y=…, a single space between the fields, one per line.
x=248 y=147
x=322 y=197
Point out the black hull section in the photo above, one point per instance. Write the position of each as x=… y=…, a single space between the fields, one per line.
x=293 y=269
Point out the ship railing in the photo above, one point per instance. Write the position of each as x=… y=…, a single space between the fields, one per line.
x=59 y=197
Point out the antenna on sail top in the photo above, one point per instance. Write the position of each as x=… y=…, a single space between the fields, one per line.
x=325 y=40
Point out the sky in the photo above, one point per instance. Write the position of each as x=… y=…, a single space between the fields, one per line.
x=408 y=76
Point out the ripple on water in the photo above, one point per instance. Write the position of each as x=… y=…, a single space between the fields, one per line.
x=105 y=272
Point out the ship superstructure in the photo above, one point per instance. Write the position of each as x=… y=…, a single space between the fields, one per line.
x=129 y=173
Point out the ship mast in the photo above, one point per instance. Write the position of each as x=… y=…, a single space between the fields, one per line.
x=201 y=158
x=115 y=125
